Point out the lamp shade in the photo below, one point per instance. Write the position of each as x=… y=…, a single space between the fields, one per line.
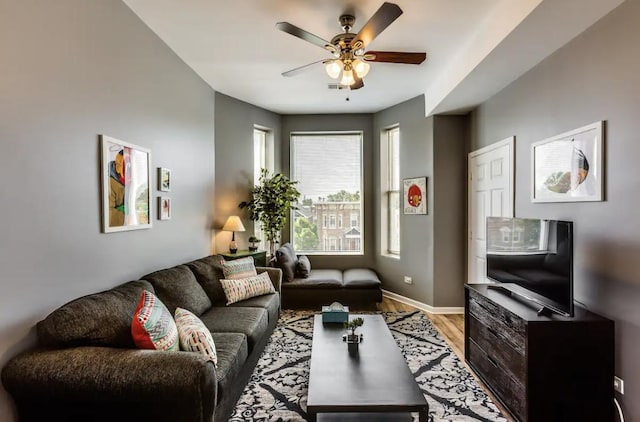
x=333 y=68
x=233 y=224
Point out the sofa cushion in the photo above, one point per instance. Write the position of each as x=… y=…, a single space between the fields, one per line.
x=252 y=322
x=318 y=279
x=208 y=272
x=270 y=302
x=177 y=287
x=232 y=354
x=100 y=319
x=237 y=290
x=286 y=260
x=239 y=268
x=194 y=336
x=152 y=326
x=356 y=278
x=303 y=267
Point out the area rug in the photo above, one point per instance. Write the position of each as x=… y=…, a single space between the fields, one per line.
x=277 y=390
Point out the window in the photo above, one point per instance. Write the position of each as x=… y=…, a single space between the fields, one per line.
x=262 y=158
x=390 y=184
x=328 y=168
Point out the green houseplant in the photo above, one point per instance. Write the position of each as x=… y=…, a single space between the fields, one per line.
x=351 y=337
x=270 y=204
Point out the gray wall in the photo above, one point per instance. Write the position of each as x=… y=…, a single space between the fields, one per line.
x=432 y=247
x=451 y=145
x=416 y=231
x=235 y=121
x=594 y=77
x=328 y=123
x=73 y=69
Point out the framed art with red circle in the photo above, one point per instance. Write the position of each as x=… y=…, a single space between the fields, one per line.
x=415 y=195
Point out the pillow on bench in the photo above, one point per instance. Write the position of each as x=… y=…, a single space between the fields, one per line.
x=286 y=260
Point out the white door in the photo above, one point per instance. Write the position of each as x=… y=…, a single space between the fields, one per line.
x=490 y=195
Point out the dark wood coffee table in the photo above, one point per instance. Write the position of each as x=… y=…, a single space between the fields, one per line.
x=377 y=380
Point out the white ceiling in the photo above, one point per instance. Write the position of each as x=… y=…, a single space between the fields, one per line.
x=235 y=47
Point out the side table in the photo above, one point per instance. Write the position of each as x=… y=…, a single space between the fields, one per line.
x=259 y=257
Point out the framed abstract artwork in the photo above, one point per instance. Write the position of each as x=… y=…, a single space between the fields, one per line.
x=415 y=195
x=126 y=197
x=164 y=179
x=569 y=167
x=164 y=208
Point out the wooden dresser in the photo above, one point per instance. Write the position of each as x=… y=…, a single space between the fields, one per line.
x=542 y=368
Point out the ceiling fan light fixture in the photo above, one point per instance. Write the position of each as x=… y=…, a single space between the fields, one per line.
x=333 y=68
x=347 y=78
x=361 y=68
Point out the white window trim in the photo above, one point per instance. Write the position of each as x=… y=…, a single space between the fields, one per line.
x=386 y=191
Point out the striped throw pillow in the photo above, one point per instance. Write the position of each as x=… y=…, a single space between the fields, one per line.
x=237 y=290
x=152 y=326
x=239 y=268
x=194 y=335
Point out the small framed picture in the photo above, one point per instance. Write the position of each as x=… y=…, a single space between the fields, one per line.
x=415 y=195
x=164 y=179
x=164 y=208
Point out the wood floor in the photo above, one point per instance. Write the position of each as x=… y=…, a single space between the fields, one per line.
x=451 y=327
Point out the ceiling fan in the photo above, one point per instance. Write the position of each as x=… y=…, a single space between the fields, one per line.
x=350 y=60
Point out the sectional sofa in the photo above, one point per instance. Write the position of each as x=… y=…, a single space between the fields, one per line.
x=86 y=366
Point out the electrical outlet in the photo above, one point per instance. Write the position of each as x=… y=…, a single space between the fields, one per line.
x=618 y=384
x=408 y=280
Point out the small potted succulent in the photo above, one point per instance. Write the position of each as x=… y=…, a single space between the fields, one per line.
x=253 y=243
x=353 y=339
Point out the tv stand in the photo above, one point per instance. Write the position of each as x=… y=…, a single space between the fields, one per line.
x=540 y=365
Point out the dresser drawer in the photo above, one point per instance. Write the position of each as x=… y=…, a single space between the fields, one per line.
x=503 y=353
x=500 y=320
x=510 y=392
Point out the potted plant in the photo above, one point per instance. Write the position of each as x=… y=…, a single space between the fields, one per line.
x=253 y=243
x=270 y=204
x=353 y=339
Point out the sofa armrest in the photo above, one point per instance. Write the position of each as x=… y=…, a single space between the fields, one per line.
x=275 y=274
x=125 y=382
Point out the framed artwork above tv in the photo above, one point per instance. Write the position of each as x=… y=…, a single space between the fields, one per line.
x=569 y=167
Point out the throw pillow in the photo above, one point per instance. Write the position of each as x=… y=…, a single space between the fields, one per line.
x=303 y=267
x=194 y=335
x=286 y=260
x=152 y=326
x=237 y=290
x=239 y=268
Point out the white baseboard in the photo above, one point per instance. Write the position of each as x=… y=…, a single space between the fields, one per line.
x=422 y=306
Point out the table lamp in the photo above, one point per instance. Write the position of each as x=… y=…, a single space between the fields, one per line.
x=233 y=225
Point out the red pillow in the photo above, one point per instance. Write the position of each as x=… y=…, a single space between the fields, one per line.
x=152 y=326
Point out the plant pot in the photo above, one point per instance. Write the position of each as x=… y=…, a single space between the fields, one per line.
x=253 y=248
x=353 y=343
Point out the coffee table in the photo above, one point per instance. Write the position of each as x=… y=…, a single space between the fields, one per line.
x=377 y=380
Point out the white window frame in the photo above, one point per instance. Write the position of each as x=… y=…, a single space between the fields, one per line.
x=389 y=188
x=263 y=152
x=360 y=242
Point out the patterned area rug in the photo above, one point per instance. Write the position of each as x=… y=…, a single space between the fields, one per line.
x=277 y=390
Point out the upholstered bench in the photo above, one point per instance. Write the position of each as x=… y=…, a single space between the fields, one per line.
x=358 y=288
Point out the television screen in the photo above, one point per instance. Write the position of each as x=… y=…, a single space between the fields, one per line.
x=534 y=259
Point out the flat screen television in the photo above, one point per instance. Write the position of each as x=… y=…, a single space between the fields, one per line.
x=533 y=259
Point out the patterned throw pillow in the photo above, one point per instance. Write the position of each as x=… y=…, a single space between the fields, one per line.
x=239 y=268
x=152 y=326
x=194 y=335
x=237 y=290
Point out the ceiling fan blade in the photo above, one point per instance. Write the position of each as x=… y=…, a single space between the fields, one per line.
x=307 y=36
x=301 y=69
x=384 y=16
x=395 y=57
x=359 y=83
